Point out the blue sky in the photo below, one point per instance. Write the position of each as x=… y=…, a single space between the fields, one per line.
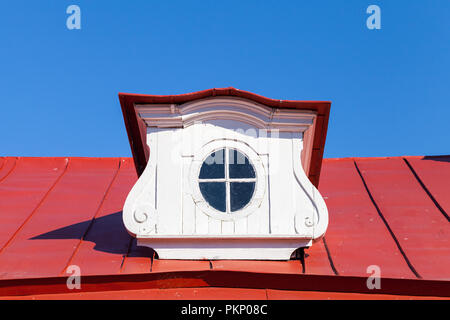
x=389 y=87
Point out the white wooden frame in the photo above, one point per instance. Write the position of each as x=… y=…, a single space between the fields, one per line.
x=166 y=211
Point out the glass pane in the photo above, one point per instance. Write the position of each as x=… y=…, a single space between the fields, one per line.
x=214 y=166
x=240 y=166
x=215 y=194
x=240 y=194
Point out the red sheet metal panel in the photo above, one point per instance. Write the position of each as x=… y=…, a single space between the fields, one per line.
x=158 y=294
x=434 y=173
x=318 y=295
x=106 y=243
x=214 y=293
x=225 y=279
x=317 y=261
x=46 y=242
x=23 y=190
x=420 y=228
x=356 y=236
x=138 y=259
x=7 y=167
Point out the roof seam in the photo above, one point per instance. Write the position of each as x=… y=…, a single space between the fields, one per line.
x=330 y=259
x=10 y=171
x=152 y=259
x=424 y=187
x=126 y=254
x=37 y=206
x=380 y=214
x=93 y=218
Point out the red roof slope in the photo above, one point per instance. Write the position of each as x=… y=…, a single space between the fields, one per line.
x=389 y=212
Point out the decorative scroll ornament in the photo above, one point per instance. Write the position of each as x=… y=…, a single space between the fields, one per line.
x=141 y=204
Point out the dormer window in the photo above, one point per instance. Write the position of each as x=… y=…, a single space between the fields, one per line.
x=225 y=176
x=227 y=180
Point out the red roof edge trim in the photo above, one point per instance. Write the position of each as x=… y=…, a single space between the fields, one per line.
x=137 y=133
x=226 y=279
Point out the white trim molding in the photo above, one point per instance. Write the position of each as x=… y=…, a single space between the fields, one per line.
x=229 y=108
x=166 y=210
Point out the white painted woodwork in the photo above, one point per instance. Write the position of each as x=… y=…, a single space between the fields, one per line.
x=224 y=247
x=166 y=211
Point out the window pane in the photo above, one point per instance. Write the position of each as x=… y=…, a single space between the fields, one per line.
x=240 y=194
x=240 y=166
x=214 y=166
x=215 y=194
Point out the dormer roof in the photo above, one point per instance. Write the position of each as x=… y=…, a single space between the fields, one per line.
x=314 y=138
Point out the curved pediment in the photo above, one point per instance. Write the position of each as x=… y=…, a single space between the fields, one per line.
x=225 y=108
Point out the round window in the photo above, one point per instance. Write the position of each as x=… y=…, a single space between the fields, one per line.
x=227 y=180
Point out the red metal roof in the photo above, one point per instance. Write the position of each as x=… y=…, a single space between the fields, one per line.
x=137 y=133
x=390 y=212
